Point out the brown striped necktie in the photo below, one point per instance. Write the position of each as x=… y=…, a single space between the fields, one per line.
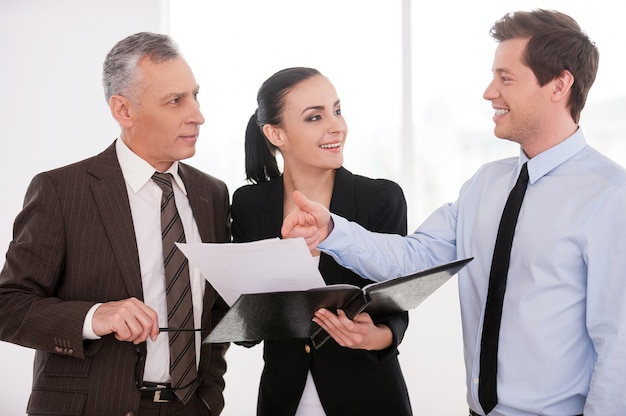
x=178 y=292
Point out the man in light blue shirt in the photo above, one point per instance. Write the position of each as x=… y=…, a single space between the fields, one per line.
x=562 y=340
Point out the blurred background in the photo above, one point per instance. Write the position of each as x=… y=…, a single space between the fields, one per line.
x=410 y=76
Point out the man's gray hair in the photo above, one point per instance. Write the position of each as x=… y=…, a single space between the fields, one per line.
x=119 y=75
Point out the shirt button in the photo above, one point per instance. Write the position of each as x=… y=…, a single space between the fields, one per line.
x=476 y=380
x=307 y=348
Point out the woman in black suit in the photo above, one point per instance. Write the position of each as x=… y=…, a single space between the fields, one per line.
x=299 y=115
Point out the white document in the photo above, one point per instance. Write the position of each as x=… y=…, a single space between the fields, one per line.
x=271 y=265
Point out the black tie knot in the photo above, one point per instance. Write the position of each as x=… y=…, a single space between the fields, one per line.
x=523 y=175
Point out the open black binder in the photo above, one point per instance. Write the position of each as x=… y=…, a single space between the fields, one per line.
x=282 y=315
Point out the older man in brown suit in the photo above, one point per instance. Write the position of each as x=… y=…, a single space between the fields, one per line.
x=84 y=278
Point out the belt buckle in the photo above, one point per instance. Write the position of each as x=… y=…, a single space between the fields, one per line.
x=157 y=395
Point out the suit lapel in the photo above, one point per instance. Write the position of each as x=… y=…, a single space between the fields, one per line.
x=341 y=203
x=111 y=196
x=272 y=215
x=200 y=198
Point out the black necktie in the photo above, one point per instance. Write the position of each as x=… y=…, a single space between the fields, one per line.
x=178 y=294
x=487 y=387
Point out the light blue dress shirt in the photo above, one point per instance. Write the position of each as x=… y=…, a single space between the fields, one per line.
x=562 y=345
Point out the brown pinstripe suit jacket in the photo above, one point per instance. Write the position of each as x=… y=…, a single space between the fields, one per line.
x=74 y=245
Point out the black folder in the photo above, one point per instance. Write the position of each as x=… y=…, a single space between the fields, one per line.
x=283 y=315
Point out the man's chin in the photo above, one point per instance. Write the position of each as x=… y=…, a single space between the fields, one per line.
x=501 y=135
x=187 y=153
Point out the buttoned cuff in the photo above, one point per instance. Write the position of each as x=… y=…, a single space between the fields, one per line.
x=87 y=325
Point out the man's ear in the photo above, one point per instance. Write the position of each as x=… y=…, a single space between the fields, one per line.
x=562 y=86
x=274 y=134
x=121 y=110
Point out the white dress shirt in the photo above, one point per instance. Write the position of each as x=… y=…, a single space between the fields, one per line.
x=310 y=404
x=145 y=201
x=562 y=347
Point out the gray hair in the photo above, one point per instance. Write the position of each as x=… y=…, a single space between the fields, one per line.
x=119 y=75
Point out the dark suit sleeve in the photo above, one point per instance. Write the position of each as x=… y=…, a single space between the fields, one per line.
x=244 y=225
x=213 y=356
x=387 y=213
x=237 y=226
x=31 y=312
x=213 y=365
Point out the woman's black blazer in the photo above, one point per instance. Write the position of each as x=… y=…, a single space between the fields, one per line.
x=348 y=381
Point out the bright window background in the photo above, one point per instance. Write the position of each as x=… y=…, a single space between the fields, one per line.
x=234 y=46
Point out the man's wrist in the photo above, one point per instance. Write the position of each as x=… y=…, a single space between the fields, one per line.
x=331 y=226
x=88 y=323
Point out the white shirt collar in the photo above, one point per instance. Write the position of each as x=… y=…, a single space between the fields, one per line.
x=137 y=172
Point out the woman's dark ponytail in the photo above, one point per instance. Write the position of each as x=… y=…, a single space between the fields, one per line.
x=261 y=164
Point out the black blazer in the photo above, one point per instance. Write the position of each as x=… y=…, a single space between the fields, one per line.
x=348 y=381
x=74 y=245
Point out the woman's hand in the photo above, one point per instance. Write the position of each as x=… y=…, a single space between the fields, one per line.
x=358 y=333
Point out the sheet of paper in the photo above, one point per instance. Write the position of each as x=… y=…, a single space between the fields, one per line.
x=270 y=265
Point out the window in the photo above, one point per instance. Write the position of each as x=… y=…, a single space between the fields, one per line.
x=234 y=46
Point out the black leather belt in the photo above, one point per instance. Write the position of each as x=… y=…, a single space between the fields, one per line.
x=159 y=393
